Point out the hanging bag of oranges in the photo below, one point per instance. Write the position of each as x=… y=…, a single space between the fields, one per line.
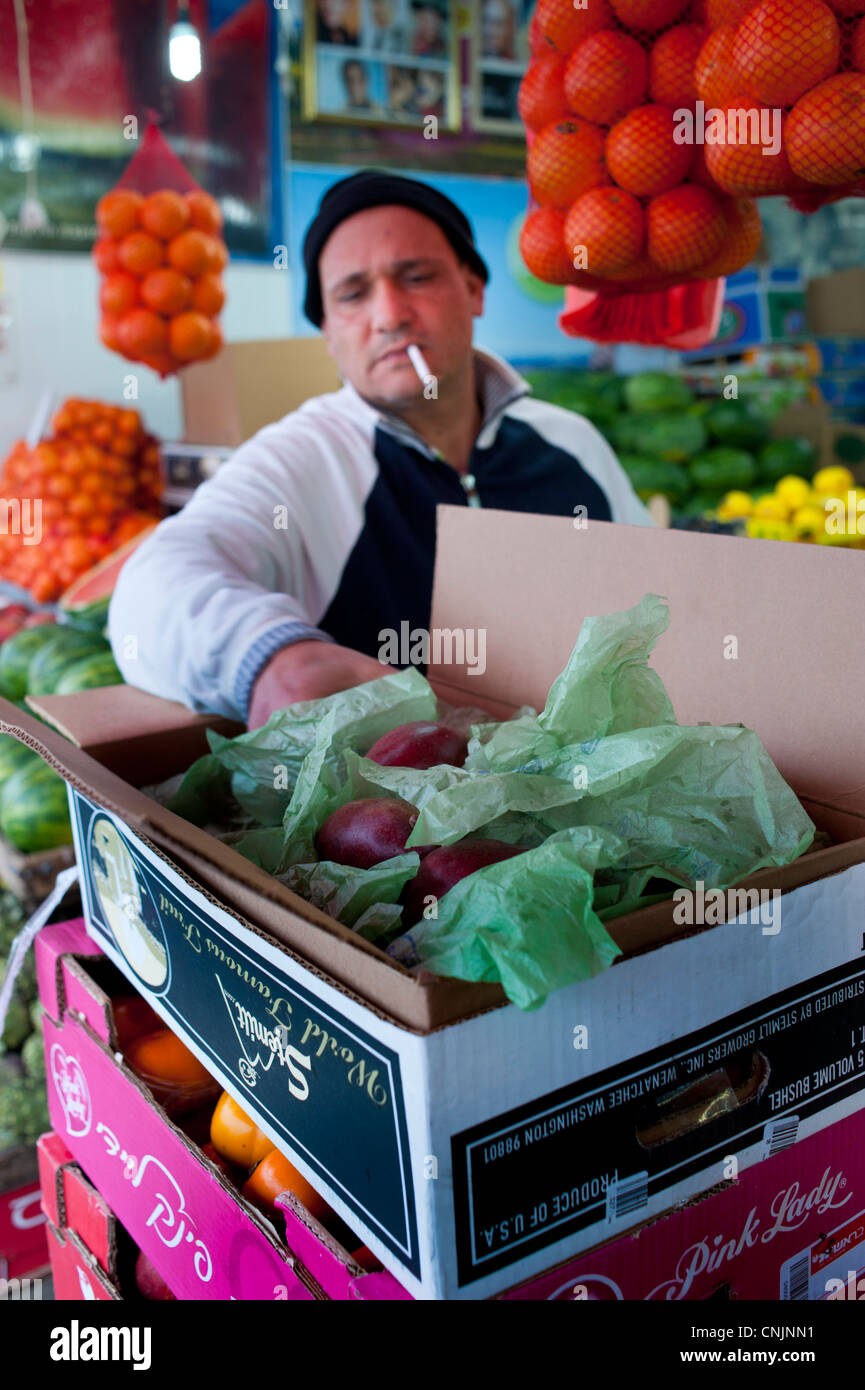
x=783 y=82
x=621 y=204
x=160 y=253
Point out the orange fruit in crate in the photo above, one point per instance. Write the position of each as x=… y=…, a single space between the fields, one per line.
x=541 y=97
x=142 y=332
x=672 y=64
x=105 y=255
x=118 y=294
x=139 y=252
x=165 y=214
x=190 y=336
x=720 y=12
x=565 y=160
x=744 y=170
x=561 y=25
x=542 y=246
x=684 y=227
x=274 y=1175
x=785 y=47
x=191 y=252
x=648 y=16
x=605 y=76
x=642 y=154
x=825 y=135
x=610 y=225
x=857 y=48
x=117 y=212
x=204 y=211
x=742 y=239
x=166 y=291
x=715 y=76
x=208 y=295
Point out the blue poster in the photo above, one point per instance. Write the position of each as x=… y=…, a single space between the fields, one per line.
x=520 y=321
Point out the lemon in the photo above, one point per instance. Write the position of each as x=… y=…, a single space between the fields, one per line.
x=772 y=508
x=834 y=481
x=770 y=529
x=793 y=490
x=734 y=505
x=810 y=519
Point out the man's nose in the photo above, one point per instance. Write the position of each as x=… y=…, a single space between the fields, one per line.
x=390 y=307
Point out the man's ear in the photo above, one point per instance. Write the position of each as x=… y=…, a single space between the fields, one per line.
x=475 y=286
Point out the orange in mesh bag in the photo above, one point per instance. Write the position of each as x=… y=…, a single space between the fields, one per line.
x=620 y=209
x=800 y=66
x=160 y=253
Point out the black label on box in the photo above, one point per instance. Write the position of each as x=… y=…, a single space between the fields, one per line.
x=538 y=1173
x=326 y=1085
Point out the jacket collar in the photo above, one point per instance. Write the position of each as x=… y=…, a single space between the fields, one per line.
x=498 y=387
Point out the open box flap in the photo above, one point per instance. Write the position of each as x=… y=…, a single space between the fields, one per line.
x=791 y=613
x=256 y=897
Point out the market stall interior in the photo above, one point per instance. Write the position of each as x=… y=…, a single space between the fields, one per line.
x=433 y=473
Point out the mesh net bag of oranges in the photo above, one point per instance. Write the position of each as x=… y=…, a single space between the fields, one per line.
x=625 y=196
x=160 y=253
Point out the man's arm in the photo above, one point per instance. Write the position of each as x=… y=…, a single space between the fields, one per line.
x=308 y=671
x=207 y=602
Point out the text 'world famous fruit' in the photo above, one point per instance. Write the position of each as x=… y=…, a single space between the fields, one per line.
x=447 y=865
x=420 y=744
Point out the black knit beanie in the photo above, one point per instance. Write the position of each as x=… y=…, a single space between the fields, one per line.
x=371 y=188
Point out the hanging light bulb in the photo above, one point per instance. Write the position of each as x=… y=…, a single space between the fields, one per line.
x=184 y=47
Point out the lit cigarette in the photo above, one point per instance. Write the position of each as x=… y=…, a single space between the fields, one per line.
x=416 y=358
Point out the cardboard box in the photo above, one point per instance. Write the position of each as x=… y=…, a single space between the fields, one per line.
x=202 y=1237
x=249 y=385
x=470 y=1145
x=836 y=304
x=23 y=1247
x=790 y=1229
x=84 y=1238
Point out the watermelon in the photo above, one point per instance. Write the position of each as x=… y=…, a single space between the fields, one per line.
x=91 y=671
x=674 y=438
x=650 y=476
x=85 y=602
x=723 y=469
x=16 y=654
x=13 y=755
x=784 y=456
x=737 y=423
x=34 y=810
x=70 y=645
x=657 y=391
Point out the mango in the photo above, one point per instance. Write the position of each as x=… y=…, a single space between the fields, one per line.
x=421 y=744
x=363 y=833
x=443 y=867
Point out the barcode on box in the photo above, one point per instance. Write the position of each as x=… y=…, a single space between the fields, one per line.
x=626 y=1195
x=780 y=1134
x=796 y=1284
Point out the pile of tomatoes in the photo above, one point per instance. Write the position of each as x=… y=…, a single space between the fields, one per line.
x=77 y=496
x=161 y=259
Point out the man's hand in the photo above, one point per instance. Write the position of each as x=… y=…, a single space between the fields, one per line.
x=308 y=671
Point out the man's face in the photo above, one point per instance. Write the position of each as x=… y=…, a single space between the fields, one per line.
x=355 y=83
x=495 y=27
x=334 y=12
x=389 y=277
x=381 y=13
x=429 y=24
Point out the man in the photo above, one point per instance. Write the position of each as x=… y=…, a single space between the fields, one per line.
x=385 y=36
x=275 y=581
x=354 y=79
x=430 y=33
